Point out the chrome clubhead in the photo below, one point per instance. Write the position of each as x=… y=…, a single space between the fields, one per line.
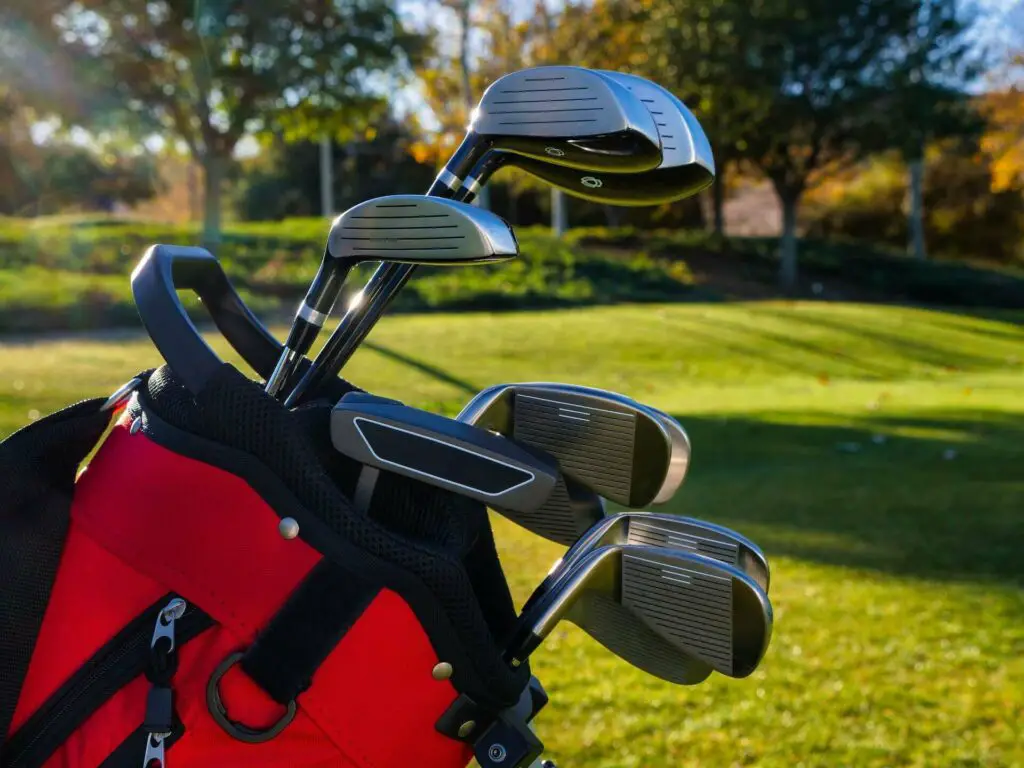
x=397 y=229
x=686 y=168
x=615 y=446
x=415 y=229
x=711 y=613
x=682 y=534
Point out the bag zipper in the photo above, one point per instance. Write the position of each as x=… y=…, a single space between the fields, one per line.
x=115 y=665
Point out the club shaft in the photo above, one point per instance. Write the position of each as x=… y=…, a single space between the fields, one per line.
x=355 y=326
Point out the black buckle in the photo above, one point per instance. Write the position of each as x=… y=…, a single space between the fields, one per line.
x=237 y=730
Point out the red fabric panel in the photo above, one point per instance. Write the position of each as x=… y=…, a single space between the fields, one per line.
x=192 y=526
x=205 y=534
x=376 y=691
x=84 y=613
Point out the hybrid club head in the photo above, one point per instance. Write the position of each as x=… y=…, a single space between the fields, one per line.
x=396 y=229
x=683 y=534
x=570 y=116
x=619 y=448
x=439 y=451
x=710 y=612
x=686 y=168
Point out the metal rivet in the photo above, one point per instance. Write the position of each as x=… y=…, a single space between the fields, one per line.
x=466 y=728
x=443 y=671
x=136 y=426
x=288 y=527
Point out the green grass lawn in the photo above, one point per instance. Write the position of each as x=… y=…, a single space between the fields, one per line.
x=877 y=455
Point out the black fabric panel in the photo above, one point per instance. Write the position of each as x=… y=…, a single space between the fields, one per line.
x=290 y=649
x=37 y=476
x=417 y=549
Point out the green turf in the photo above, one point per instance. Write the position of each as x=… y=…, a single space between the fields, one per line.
x=877 y=454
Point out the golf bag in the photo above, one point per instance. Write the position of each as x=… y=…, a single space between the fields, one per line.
x=204 y=593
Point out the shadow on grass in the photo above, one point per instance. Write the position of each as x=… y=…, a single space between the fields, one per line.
x=939 y=498
x=426 y=368
x=911 y=346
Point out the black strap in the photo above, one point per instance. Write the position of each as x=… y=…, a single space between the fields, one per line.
x=38 y=465
x=314 y=619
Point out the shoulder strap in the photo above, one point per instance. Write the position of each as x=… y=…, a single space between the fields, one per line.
x=38 y=465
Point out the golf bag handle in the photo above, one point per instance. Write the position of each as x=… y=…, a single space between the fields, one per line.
x=165 y=269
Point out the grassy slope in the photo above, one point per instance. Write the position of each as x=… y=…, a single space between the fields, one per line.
x=897 y=579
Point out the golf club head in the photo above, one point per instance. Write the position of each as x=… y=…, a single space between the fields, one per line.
x=681 y=447
x=686 y=168
x=683 y=534
x=441 y=452
x=569 y=116
x=617 y=447
x=709 y=611
x=415 y=229
x=397 y=229
x=571 y=508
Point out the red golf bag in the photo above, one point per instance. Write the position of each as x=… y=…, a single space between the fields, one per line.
x=204 y=593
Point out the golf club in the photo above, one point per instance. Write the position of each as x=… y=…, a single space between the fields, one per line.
x=684 y=534
x=681 y=448
x=613 y=445
x=384 y=435
x=711 y=612
x=574 y=116
x=397 y=229
x=686 y=168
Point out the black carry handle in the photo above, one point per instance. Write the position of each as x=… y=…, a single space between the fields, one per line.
x=164 y=270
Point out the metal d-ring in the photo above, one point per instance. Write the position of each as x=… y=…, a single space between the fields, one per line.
x=236 y=730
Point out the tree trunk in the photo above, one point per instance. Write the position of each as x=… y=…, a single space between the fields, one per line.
x=326 y=177
x=558 y=212
x=788 y=246
x=214 y=170
x=718 y=199
x=915 y=244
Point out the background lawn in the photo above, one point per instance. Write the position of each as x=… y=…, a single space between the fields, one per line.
x=876 y=453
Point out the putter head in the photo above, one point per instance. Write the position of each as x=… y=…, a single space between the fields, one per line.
x=441 y=452
x=415 y=229
x=687 y=165
x=615 y=446
x=708 y=611
x=569 y=116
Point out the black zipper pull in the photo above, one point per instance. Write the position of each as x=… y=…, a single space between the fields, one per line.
x=163 y=663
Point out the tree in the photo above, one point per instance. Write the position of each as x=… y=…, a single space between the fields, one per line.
x=695 y=48
x=925 y=102
x=209 y=73
x=1003 y=141
x=815 y=73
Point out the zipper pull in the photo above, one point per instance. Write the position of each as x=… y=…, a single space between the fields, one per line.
x=159 y=720
x=173 y=611
x=154 y=750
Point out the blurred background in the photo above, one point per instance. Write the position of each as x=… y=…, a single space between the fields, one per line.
x=838 y=321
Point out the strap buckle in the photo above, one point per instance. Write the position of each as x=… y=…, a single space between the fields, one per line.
x=237 y=730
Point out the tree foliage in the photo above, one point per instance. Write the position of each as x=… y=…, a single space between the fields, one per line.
x=1003 y=141
x=206 y=73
